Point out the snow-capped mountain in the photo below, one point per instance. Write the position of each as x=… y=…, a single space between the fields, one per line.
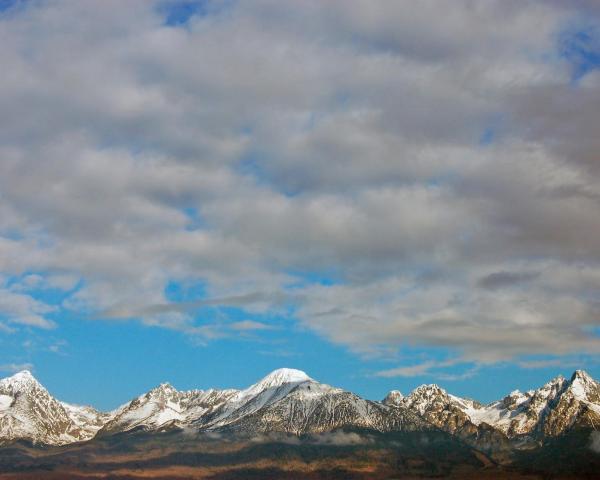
x=28 y=411
x=164 y=407
x=447 y=413
x=289 y=401
x=546 y=412
x=286 y=400
x=578 y=405
x=262 y=394
x=519 y=414
x=554 y=408
x=435 y=405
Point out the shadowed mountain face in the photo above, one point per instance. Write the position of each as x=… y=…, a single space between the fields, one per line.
x=289 y=424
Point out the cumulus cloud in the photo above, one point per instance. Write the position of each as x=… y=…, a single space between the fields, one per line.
x=442 y=175
x=22 y=309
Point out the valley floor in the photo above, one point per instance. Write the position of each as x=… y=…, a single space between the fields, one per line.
x=169 y=456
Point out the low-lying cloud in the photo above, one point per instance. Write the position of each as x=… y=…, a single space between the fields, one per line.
x=341 y=438
x=595 y=441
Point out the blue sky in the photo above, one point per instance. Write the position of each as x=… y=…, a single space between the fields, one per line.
x=106 y=364
x=203 y=192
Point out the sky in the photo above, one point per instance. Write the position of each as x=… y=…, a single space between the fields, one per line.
x=382 y=194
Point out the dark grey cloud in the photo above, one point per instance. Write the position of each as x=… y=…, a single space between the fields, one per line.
x=266 y=147
x=506 y=279
x=270 y=300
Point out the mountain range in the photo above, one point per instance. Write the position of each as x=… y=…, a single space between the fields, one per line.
x=289 y=401
x=288 y=425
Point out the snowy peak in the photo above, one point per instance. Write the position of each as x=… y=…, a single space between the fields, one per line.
x=555 y=384
x=514 y=399
x=22 y=380
x=280 y=377
x=426 y=395
x=583 y=387
x=275 y=385
x=272 y=388
x=576 y=405
x=428 y=390
x=162 y=392
x=29 y=412
x=581 y=375
x=23 y=376
x=165 y=407
x=393 y=398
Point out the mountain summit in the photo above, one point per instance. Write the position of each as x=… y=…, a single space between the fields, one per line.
x=282 y=376
x=28 y=411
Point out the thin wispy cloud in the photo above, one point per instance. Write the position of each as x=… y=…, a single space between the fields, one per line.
x=15 y=367
x=430 y=368
x=249 y=326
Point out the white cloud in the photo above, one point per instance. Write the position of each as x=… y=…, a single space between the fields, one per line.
x=249 y=325
x=22 y=309
x=333 y=140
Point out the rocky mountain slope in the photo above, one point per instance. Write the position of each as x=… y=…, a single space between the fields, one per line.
x=533 y=416
x=289 y=401
x=285 y=401
x=164 y=407
x=28 y=411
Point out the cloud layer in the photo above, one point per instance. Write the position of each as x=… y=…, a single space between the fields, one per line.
x=395 y=174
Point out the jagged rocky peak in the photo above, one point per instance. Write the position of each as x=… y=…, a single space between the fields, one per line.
x=584 y=387
x=581 y=387
x=425 y=397
x=430 y=391
x=20 y=380
x=22 y=385
x=29 y=412
x=582 y=375
x=577 y=405
x=555 y=384
x=165 y=387
x=162 y=392
x=547 y=392
x=393 y=398
x=515 y=398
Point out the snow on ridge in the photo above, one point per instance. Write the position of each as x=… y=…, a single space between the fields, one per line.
x=281 y=376
x=5 y=402
x=290 y=390
x=19 y=380
x=271 y=388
